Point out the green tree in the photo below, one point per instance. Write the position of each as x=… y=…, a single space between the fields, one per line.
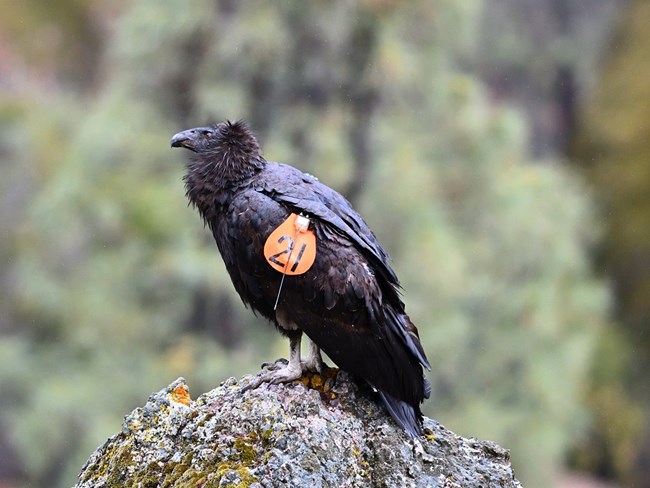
x=612 y=149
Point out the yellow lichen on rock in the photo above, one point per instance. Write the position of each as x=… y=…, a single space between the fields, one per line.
x=181 y=394
x=320 y=382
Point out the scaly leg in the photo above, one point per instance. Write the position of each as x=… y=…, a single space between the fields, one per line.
x=292 y=371
x=314 y=362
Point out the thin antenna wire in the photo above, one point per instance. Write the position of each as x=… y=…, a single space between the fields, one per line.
x=301 y=225
x=277 y=299
x=284 y=272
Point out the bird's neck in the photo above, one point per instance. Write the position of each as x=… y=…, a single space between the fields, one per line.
x=224 y=166
x=210 y=187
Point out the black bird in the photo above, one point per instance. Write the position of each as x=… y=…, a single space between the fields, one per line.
x=301 y=256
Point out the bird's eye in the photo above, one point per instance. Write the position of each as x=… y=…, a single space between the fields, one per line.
x=207 y=133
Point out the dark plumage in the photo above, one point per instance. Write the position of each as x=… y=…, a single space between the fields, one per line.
x=347 y=302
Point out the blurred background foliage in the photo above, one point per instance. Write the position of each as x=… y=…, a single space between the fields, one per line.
x=498 y=149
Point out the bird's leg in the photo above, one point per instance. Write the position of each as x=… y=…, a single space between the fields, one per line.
x=292 y=371
x=314 y=362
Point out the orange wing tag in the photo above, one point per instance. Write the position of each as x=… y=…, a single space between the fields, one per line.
x=291 y=247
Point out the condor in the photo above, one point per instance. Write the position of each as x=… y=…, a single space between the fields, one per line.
x=301 y=256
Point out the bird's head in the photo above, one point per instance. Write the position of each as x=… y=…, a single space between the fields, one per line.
x=229 y=150
x=196 y=140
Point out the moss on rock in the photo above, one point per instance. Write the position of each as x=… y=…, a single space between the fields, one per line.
x=284 y=435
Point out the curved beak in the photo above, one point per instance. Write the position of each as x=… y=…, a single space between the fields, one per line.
x=189 y=138
x=183 y=139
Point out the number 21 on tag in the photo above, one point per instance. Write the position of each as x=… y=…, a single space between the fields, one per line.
x=291 y=247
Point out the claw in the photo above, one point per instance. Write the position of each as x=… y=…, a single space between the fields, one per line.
x=283 y=371
x=274 y=365
x=279 y=375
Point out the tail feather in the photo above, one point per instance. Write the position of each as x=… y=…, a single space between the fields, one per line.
x=407 y=417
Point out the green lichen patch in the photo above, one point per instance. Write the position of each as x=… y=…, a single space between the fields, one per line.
x=245 y=452
x=232 y=474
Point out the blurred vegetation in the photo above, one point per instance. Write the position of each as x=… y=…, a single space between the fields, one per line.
x=613 y=148
x=111 y=285
x=543 y=57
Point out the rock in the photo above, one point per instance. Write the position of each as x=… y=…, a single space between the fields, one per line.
x=318 y=432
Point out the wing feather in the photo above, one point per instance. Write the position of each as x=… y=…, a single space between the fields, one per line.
x=291 y=187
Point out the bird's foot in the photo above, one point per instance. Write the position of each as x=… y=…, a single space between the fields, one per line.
x=313 y=364
x=276 y=375
x=272 y=366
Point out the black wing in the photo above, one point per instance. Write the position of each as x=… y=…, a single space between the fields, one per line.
x=292 y=187
x=304 y=193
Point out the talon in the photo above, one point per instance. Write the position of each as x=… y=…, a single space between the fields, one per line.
x=254 y=383
x=288 y=371
x=274 y=365
x=275 y=376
